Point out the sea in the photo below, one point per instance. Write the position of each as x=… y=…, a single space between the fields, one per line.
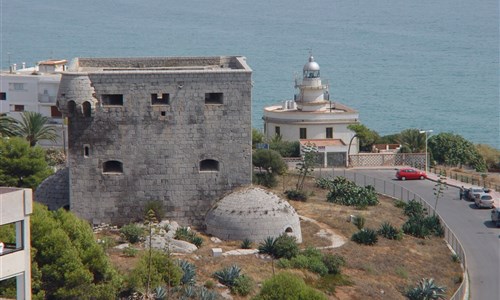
x=426 y=64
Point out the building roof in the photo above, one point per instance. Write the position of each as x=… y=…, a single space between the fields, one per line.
x=323 y=142
x=52 y=62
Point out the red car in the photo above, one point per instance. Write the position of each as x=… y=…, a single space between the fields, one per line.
x=410 y=173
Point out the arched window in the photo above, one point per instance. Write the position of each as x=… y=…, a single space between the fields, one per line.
x=71 y=108
x=289 y=230
x=86 y=109
x=209 y=165
x=112 y=166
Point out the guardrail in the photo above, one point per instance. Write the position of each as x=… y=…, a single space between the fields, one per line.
x=392 y=190
x=475 y=179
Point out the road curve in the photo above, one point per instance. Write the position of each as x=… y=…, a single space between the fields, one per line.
x=479 y=237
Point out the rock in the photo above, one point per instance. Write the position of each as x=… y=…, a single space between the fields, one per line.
x=177 y=246
x=215 y=240
x=226 y=294
x=122 y=246
x=216 y=252
x=241 y=252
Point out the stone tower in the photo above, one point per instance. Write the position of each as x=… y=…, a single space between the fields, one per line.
x=169 y=129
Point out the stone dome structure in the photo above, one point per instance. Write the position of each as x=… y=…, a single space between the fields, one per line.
x=252 y=213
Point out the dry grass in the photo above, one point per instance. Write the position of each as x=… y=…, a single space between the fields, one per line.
x=382 y=271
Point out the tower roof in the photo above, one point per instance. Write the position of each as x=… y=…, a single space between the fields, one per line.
x=311 y=65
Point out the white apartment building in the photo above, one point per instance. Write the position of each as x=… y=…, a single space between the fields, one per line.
x=33 y=89
x=312 y=117
x=16 y=206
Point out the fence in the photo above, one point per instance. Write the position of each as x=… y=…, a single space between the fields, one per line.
x=474 y=179
x=399 y=192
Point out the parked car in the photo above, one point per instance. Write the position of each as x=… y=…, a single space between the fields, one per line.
x=495 y=216
x=474 y=192
x=484 y=200
x=410 y=173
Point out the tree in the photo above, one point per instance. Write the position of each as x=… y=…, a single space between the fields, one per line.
x=366 y=136
x=257 y=137
x=453 y=150
x=412 y=141
x=22 y=165
x=35 y=127
x=284 y=148
x=439 y=189
x=7 y=125
x=306 y=166
x=70 y=264
x=490 y=155
x=269 y=162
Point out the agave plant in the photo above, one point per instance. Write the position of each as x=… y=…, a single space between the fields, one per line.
x=189 y=272
x=160 y=293
x=426 y=290
x=390 y=232
x=268 y=246
x=228 y=275
x=246 y=244
x=365 y=236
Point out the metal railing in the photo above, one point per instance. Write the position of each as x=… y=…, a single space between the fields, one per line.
x=474 y=179
x=395 y=191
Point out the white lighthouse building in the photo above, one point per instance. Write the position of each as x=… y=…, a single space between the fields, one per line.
x=312 y=117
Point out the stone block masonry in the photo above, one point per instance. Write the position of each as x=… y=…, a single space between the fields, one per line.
x=175 y=130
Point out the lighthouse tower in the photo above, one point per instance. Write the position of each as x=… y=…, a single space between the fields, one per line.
x=313 y=117
x=313 y=95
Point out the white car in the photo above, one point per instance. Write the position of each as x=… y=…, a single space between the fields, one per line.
x=495 y=216
x=484 y=200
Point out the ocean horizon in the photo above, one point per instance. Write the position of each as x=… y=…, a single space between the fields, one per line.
x=426 y=64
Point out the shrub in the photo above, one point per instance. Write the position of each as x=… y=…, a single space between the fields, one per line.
x=243 y=285
x=359 y=221
x=345 y=192
x=422 y=227
x=324 y=183
x=288 y=286
x=399 y=203
x=265 y=179
x=455 y=258
x=390 y=232
x=189 y=272
x=133 y=233
x=228 y=275
x=164 y=271
x=297 y=195
x=434 y=225
x=107 y=242
x=334 y=263
x=365 y=236
x=286 y=246
x=246 y=244
x=414 y=209
x=157 y=208
x=209 y=284
x=130 y=252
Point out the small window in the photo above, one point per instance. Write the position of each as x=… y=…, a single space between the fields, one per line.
x=112 y=99
x=162 y=99
x=86 y=150
x=303 y=133
x=19 y=108
x=112 y=166
x=87 y=110
x=209 y=165
x=214 y=98
x=3 y=96
x=16 y=86
x=329 y=132
x=289 y=230
x=277 y=130
x=55 y=113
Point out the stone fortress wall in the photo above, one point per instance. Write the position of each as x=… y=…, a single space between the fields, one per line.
x=175 y=130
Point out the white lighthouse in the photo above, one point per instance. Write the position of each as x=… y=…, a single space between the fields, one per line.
x=313 y=117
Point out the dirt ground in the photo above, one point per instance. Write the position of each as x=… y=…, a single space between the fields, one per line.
x=382 y=271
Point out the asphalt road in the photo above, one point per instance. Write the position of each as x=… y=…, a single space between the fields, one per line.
x=479 y=237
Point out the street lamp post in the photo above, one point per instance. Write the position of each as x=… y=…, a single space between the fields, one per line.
x=427 y=132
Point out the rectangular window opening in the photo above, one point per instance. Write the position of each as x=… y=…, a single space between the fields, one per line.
x=277 y=130
x=55 y=113
x=214 y=98
x=112 y=99
x=19 y=108
x=303 y=133
x=3 y=96
x=160 y=99
x=86 y=150
x=13 y=237
x=329 y=132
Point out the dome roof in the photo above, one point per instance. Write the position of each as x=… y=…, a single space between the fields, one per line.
x=311 y=65
x=252 y=213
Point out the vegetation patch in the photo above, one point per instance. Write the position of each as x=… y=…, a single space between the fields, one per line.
x=345 y=192
x=186 y=234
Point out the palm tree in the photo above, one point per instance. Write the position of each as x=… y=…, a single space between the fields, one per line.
x=412 y=141
x=7 y=125
x=34 y=127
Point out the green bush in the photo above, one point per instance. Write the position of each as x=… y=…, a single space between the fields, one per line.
x=365 y=236
x=414 y=209
x=228 y=275
x=209 y=284
x=288 y=286
x=359 y=221
x=323 y=183
x=399 y=203
x=157 y=208
x=296 y=195
x=164 y=271
x=243 y=285
x=265 y=179
x=133 y=233
x=345 y=192
x=286 y=246
x=333 y=263
x=130 y=252
x=421 y=227
x=390 y=232
x=246 y=244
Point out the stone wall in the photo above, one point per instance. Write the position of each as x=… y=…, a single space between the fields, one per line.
x=159 y=146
